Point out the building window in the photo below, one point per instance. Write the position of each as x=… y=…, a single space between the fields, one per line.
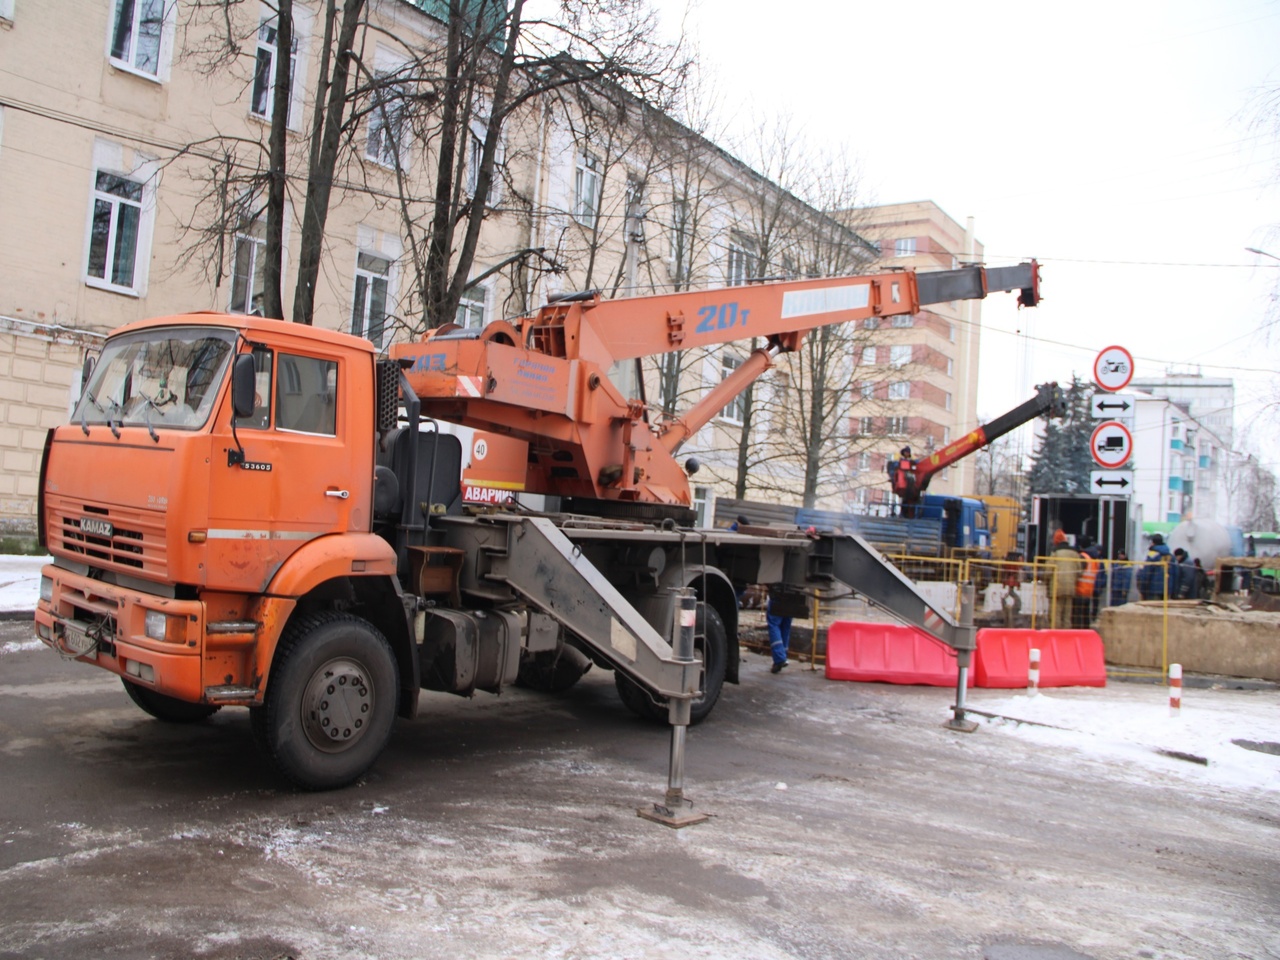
x=387 y=110
x=137 y=31
x=904 y=247
x=897 y=426
x=369 y=309
x=951 y=367
x=634 y=211
x=900 y=390
x=247 y=277
x=951 y=332
x=6 y=10
x=735 y=410
x=868 y=356
x=264 y=73
x=679 y=232
x=587 y=184
x=904 y=320
x=947 y=401
x=867 y=426
x=864 y=461
x=900 y=355
x=114 y=230
x=868 y=390
x=742 y=261
x=471 y=308
x=946 y=435
x=871 y=323
x=700 y=497
x=475 y=153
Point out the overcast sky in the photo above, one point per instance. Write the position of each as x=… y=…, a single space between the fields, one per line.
x=1113 y=141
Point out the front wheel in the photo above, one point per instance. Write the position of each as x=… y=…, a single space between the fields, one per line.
x=330 y=702
x=168 y=709
x=711 y=646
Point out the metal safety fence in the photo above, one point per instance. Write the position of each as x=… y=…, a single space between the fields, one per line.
x=1047 y=593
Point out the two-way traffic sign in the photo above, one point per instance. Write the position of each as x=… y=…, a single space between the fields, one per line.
x=1111 y=481
x=1111 y=444
x=1112 y=406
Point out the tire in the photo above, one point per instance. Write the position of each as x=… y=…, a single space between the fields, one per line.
x=711 y=642
x=330 y=701
x=168 y=709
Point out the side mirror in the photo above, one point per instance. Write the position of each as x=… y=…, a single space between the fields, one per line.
x=86 y=371
x=243 y=386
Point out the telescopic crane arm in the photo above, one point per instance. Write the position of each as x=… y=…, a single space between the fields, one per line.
x=910 y=478
x=544 y=378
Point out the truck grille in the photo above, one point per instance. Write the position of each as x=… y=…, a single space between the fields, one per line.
x=127 y=539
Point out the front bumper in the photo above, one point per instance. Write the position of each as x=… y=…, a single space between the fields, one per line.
x=105 y=624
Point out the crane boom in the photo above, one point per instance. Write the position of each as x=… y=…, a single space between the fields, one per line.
x=910 y=478
x=543 y=378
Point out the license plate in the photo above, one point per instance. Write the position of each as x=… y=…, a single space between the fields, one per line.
x=76 y=640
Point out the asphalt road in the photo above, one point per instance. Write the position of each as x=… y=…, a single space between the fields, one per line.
x=847 y=823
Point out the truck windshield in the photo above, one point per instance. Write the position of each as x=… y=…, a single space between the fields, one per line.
x=163 y=377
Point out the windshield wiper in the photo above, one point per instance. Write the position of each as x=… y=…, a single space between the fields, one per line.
x=147 y=415
x=97 y=406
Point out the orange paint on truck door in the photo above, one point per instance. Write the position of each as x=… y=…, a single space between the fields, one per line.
x=307 y=469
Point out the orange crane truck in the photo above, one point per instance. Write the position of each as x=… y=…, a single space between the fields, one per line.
x=252 y=513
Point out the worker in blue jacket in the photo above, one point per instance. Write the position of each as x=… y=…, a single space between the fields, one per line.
x=1154 y=576
x=1120 y=579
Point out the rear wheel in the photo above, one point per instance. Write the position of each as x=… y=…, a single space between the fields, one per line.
x=711 y=646
x=330 y=703
x=168 y=709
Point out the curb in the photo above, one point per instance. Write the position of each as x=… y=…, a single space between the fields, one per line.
x=16 y=615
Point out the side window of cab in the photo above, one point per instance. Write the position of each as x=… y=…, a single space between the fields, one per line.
x=260 y=419
x=307 y=395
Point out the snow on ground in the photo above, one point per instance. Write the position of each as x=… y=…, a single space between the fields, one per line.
x=20 y=582
x=1128 y=725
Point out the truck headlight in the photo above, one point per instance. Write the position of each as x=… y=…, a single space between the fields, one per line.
x=154 y=624
x=46 y=589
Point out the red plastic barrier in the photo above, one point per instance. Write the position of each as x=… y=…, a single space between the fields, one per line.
x=889 y=653
x=1068 y=658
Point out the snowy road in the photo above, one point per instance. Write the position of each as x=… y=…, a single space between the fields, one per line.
x=847 y=823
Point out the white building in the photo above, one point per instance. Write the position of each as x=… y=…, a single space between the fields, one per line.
x=1179 y=463
x=1210 y=400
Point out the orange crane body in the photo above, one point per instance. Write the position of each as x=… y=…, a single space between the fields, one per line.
x=544 y=378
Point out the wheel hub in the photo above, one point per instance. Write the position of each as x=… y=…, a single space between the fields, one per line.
x=337 y=705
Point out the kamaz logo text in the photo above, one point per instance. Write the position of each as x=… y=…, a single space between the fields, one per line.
x=97 y=528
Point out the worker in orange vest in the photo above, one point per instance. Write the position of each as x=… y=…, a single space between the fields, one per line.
x=1085 y=583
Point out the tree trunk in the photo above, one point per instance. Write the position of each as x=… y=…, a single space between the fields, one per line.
x=439 y=240
x=325 y=144
x=273 y=266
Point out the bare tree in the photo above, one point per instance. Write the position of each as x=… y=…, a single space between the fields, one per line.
x=804 y=405
x=998 y=468
x=458 y=87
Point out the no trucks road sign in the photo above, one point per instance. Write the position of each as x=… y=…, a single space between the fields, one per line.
x=1111 y=445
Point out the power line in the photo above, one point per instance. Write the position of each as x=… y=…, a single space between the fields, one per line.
x=1140 y=263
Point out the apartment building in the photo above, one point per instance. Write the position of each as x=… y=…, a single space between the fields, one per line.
x=129 y=145
x=1182 y=442
x=920 y=387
